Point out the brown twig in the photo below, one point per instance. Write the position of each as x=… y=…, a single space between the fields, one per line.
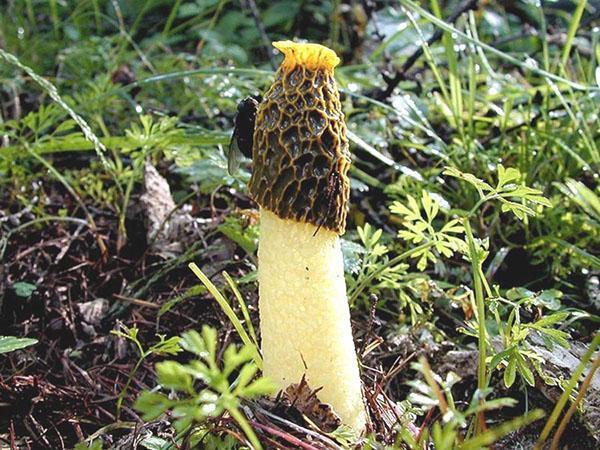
x=285 y=436
x=250 y=5
x=428 y=375
x=396 y=368
x=373 y=299
x=137 y=301
x=393 y=82
x=295 y=426
x=13 y=443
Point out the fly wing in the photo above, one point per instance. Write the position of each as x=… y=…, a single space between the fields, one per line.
x=234 y=154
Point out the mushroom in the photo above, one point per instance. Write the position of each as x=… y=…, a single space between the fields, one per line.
x=299 y=179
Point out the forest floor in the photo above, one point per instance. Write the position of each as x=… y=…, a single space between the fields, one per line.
x=472 y=126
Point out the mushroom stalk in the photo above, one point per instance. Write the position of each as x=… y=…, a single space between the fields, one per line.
x=299 y=179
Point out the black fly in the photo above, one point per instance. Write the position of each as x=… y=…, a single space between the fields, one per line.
x=243 y=132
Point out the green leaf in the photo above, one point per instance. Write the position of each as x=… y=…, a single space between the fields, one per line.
x=210 y=339
x=232 y=358
x=190 y=292
x=154 y=443
x=246 y=374
x=166 y=347
x=525 y=371
x=499 y=357
x=584 y=197
x=423 y=400
x=555 y=336
x=506 y=176
x=259 y=387
x=127 y=333
x=24 y=289
x=498 y=403
x=430 y=207
x=491 y=435
x=549 y=298
x=210 y=441
x=245 y=237
x=174 y=375
x=453 y=226
x=152 y=404
x=519 y=293
x=11 y=343
x=186 y=415
x=352 y=252
x=551 y=319
x=94 y=445
x=193 y=342
x=518 y=209
x=280 y=13
x=478 y=183
x=510 y=372
x=66 y=125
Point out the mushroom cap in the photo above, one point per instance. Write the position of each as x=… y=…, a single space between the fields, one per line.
x=300 y=150
x=311 y=56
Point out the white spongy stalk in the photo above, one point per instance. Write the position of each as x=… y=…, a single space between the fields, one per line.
x=304 y=314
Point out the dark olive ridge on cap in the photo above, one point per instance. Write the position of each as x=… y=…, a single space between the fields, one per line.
x=300 y=150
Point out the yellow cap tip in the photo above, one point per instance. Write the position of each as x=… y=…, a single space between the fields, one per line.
x=311 y=56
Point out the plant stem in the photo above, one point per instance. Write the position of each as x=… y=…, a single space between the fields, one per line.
x=391 y=263
x=428 y=374
x=477 y=286
x=243 y=306
x=129 y=380
x=235 y=321
x=246 y=428
x=4 y=238
x=171 y=17
x=76 y=197
x=573 y=25
x=77 y=144
x=511 y=59
x=53 y=93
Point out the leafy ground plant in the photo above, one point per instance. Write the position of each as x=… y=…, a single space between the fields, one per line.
x=473 y=239
x=193 y=406
x=12 y=343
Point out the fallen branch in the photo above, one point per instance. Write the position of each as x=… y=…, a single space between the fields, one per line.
x=393 y=82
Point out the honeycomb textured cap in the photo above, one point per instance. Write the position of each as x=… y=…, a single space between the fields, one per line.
x=300 y=150
x=310 y=56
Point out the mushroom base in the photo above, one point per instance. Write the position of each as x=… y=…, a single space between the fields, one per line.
x=304 y=314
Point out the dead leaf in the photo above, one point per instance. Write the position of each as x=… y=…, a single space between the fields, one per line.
x=93 y=312
x=301 y=397
x=169 y=229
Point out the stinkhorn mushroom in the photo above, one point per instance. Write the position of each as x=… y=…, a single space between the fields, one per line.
x=299 y=179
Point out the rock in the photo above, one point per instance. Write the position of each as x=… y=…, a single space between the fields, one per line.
x=560 y=362
x=592 y=286
x=461 y=362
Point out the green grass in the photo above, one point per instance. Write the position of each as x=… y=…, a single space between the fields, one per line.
x=475 y=183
